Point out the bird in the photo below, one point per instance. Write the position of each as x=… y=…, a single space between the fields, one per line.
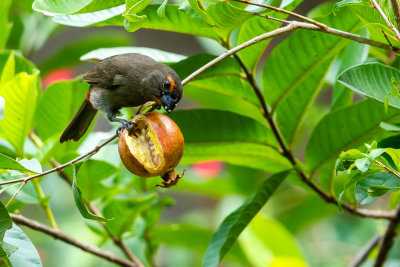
x=124 y=80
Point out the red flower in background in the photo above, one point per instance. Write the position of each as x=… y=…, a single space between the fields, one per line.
x=208 y=169
x=57 y=75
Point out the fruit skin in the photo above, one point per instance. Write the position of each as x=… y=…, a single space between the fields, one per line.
x=170 y=138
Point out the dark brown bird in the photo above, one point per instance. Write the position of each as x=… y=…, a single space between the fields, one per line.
x=126 y=80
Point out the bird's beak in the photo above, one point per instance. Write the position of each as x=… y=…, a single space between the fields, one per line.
x=169 y=103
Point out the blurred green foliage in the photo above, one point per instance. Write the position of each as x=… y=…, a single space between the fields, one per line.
x=219 y=208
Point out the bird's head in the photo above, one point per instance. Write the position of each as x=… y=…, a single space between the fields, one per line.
x=169 y=90
x=171 y=93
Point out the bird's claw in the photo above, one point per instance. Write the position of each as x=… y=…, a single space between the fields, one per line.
x=129 y=126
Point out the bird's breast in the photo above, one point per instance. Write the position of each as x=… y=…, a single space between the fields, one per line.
x=104 y=99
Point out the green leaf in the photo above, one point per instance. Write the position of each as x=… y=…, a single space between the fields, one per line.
x=98 y=5
x=233 y=224
x=20 y=93
x=5 y=221
x=354 y=54
x=33 y=165
x=156 y=54
x=372 y=80
x=11 y=64
x=380 y=190
x=291 y=86
x=256 y=26
x=90 y=177
x=11 y=164
x=221 y=87
x=351 y=155
x=54 y=7
x=347 y=127
x=110 y=16
x=9 y=71
x=2 y=104
x=266 y=240
x=124 y=209
x=395 y=156
x=225 y=136
x=227 y=16
x=193 y=237
x=5 y=224
x=58 y=7
x=135 y=6
x=5 y=26
x=371 y=19
x=195 y=13
x=353 y=178
x=80 y=203
x=161 y=9
x=28 y=193
x=363 y=164
x=174 y=20
x=347 y=2
x=26 y=254
x=4 y=256
x=52 y=115
x=374 y=153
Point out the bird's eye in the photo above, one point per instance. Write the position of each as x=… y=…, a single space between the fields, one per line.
x=167 y=84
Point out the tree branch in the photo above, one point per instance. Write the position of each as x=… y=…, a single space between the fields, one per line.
x=91 y=152
x=56 y=233
x=324 y=28
x=396 y=12
x=388 y=239
x=288 y=28
x=394 y=30
x=118 y=242
x=388 y=169
x=340 y=33
x=281 y=10
x=15 y=194
x=287 y=154
x=365 y=251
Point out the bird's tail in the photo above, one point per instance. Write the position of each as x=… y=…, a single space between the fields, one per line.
x=80 y=123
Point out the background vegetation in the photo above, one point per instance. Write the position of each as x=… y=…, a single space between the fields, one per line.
x=285 y=164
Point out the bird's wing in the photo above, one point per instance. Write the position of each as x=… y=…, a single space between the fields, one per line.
x=104 y=73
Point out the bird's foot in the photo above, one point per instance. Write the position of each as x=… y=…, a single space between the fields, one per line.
x=130 y=126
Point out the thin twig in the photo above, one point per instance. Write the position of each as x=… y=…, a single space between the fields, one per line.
x=271 y=18
x=118 y=242
x=362 y=255
x=287 y=154
x=343 y=34
x=15 y=194
x=288 y=28
x=388 y=169
x=394 y=30
x=388 y=239
x=387 y=38
x=60 y=172
x=281 y=10
x=56 y=233
x=396 y=12
x=93 y=151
